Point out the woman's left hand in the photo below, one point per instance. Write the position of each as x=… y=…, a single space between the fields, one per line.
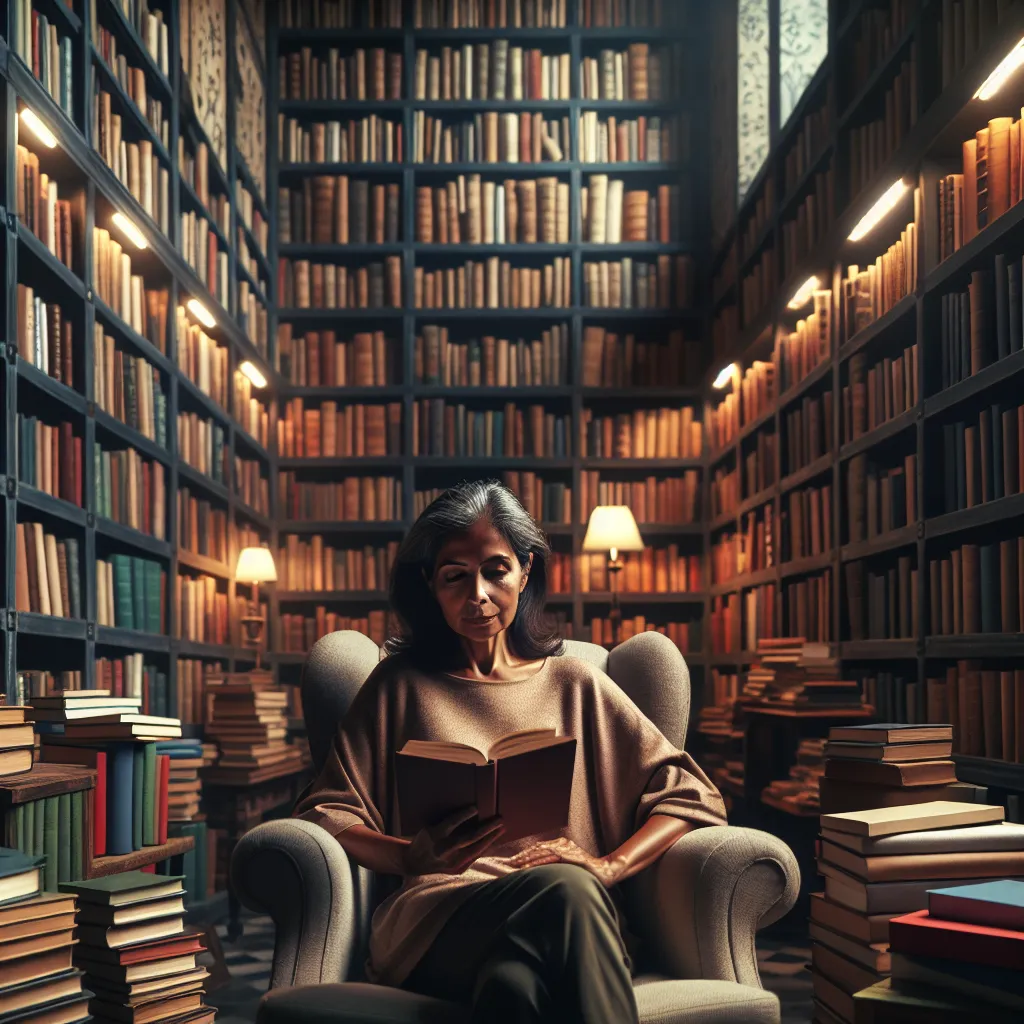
x=607 y=870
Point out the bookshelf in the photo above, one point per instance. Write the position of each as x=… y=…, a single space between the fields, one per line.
x=936 y=114
x=562 y=391
x=100 y=417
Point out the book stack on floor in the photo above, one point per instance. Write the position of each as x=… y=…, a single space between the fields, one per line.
x=888 y=764
x=799 y=793
x=961 y=958
x=38 y=982
x=791 y=673
x=249 y=723
x=17 y=740
x=879 y=864
x=138 y=959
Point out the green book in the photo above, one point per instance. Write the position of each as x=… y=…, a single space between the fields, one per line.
x=18 y=816
x=51 y=841
x=38 y=816
x=77 y=843
x=149 y=801
x=139 y=592
x=153 y=598
x=124 y=887
x=138 y=788
x=64 y=837
x=123 y=591
x=21 y=877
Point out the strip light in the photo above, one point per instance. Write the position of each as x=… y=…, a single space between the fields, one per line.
x=803 y=294
x=251 y=371
x=1004 y=69
x=30 y=119
x=131 y=232
x=725 y=376
x=886 y=204
x=201 y=313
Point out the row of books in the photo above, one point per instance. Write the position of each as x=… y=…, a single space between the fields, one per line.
x=194 y=168
x=724 y=621
x=297 y=633
x=374 y=74
x=734 y=553
x=305 y=285
x=613 y=361
x=685 y=635
x=807 y=608
x=671 y=499
x=251 y=217
x=489 y=137
x=977 y=588
x=668 y=283
x=46 y=52
x=473 y=211
x=880 y=498
x=985 y=705
x=313 y=565
x=637 y=73
x=50 y=828
x=369 y=139
x=801 y=351
x=47 y=577
x=808 y=431
x=487 y=14
x=878 y=392
x=663 y=433
x=759 y=463
x=490 y=361
x=547 y=501
x=41 y=210
x=882 y=602
x=253 y=316
x=45 y=335
x=724 y=491
x=202 y=609
x=491 y=71
x=131 y=593
x=152 y=29
x=802 y=233
x=133 y=81
x=612 y=140
x=131 y=490
x=128 y=387
x=753 y=398
x=202 y=445
x=494 y=283
x=130 y=676
x=339 y=430
x=50 y=458
x=610 y=214
x=444 y=428
x=201 y=251
x=341 y=13
x=758 y=621
x=334 y=209
x=351 y=499
x=202 y=359
x=252 y=485
x=40 y=682
x=982 y=457
x=814 y=134
x=757 y=288
x=655 y=570
x=252 y=415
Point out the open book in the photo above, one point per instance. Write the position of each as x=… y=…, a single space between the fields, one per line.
x=525 y=776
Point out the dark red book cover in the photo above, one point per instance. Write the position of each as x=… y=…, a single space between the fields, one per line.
x=919 y=934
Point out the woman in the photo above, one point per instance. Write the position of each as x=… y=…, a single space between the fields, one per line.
x=524 y=930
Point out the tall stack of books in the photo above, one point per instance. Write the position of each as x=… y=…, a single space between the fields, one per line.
x=17 y=740
x=879 y=864
x=184 y=787
x=138 y=959
x=791 y=673
x=37 y=979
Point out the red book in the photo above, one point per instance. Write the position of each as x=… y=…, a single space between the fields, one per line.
x=163 y=781
x=118 y=687
x=919 y=934
x=160 y=949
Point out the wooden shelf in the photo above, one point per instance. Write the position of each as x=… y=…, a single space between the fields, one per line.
x=103 y=866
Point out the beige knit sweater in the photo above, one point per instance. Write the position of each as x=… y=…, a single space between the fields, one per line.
x=625 y=770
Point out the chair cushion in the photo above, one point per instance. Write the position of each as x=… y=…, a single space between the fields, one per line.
x=660 y=1001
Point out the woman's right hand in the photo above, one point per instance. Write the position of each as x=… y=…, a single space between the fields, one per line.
x=450 y=846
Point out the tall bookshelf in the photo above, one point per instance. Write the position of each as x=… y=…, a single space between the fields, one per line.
x=940 y=112
x=403 y=322
x=32 y=641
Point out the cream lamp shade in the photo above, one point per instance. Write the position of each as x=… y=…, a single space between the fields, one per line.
x=255 y=565
x=612 y=528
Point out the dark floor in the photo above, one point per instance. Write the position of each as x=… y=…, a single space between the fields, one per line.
x=248 y=960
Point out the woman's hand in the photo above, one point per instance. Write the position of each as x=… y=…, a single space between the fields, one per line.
x=450 y=846
x=608 y=870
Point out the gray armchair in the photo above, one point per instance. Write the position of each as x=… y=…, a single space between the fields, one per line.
x=696 y=910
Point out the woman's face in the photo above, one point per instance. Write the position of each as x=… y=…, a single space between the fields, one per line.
x=477 y=582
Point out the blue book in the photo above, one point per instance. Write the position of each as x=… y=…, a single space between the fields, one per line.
x=998 y=904
x=138 y=792
x=120 y=798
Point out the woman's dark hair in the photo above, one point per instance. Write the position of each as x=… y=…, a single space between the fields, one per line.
x=425 y=635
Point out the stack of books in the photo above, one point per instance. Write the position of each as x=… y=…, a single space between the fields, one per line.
x=184 y=786
x=95 y=715
x=889 y=764
x=791 y=673
x=17 y=740
x=961 y=958
x=38 y=981
x=139 y=961
x=799 y=793
x=879 y=864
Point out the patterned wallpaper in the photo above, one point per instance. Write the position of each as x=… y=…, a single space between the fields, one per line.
x=204 y=60
x=753 y=130
x=250 y=105
x=803 y=45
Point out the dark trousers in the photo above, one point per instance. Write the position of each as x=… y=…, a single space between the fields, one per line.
x=538 y=945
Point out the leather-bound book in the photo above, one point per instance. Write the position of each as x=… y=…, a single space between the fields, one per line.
x=359 y=211
x=527 y=219
x=636 y=210
x=998 y=167
x=979 y=289
x=638 y=83
x=525 y=138
x=394 y=91
x=392 y=213
x=379 y=193
x=499 y=68
x=394 y=281
x=982 y=161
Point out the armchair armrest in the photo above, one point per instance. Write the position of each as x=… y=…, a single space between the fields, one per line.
x=298 y=873
x=703 y=901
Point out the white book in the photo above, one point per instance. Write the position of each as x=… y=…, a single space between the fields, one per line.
x=613 y=226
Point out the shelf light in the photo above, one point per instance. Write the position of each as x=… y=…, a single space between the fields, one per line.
x=30 y=119
x=803 y=294
x=1004 y=69
x=893 y=194
x=252 y=371
x=201 y=313
x=725 y=376
x=131 y=232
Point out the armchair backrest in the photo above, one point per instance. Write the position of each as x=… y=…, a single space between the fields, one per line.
x=648 y=667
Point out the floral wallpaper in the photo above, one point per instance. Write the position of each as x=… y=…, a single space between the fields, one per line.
x=753 y=130
x=803 y=45
x=250 y=106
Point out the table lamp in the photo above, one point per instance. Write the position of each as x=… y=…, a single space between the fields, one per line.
x=255 y=566
x=612 y=528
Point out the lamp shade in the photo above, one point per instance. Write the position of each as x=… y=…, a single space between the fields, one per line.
x=255 y=565
x=612 y=527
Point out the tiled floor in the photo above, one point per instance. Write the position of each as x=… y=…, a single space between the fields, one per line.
x=248 y=960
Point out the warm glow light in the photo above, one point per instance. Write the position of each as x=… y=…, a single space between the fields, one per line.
x=725 y=376
x=252 y=372
x=886 y=204
x=255 y=565
x=133 y=234
x=612 y=528
x=1005 y=68
x=201 y=313
x=31 y=121
x=804 y=293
